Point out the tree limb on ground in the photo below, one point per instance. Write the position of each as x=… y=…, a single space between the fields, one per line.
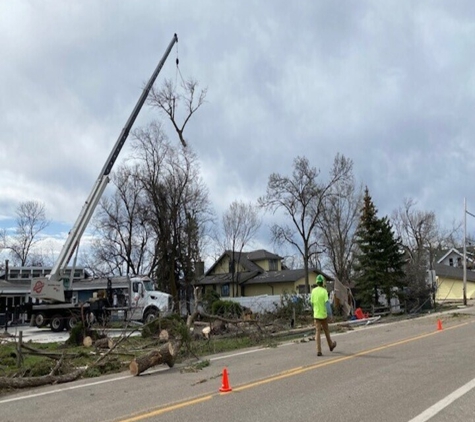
x=51 y=378
x=52 y=355
x=25 y=382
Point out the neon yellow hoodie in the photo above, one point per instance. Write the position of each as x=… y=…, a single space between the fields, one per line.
x=318 y=299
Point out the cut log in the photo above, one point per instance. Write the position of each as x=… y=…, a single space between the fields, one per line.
x=104 y=343
x=206 y=331
x=164 y=336
x=87 y=342
x=166 y=354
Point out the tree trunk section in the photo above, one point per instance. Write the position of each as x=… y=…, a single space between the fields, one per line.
x=166 y=354
x=104 y=343
x=87 y=342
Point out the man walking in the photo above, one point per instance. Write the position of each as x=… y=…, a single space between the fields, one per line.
x=319 y=299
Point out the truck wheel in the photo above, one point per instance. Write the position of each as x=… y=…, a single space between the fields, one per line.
x=150 y=316
x=57 y=323
x=71 y=322
x=41 y=320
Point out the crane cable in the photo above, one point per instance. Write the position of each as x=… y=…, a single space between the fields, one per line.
x=178 y=71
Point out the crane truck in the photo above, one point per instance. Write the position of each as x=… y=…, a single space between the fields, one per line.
x=57 y=297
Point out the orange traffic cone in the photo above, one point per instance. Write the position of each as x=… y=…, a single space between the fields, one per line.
x=439 y=325
x=225 y=388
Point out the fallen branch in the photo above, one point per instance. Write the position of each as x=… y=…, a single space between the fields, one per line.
x=51 y=378
x=6 y=382
x=52 y=355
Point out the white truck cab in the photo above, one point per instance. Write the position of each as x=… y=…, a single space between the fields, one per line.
x=147 y=303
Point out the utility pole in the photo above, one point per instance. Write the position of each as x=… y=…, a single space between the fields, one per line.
x=465 y=251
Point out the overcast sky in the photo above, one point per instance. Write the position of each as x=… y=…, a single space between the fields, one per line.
x=389 y=84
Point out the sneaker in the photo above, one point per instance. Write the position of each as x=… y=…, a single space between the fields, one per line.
x=334 y=345
x=319 y=354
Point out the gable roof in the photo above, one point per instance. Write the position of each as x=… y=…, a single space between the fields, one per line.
x=456 y=251
x=283 y=276
x=226 y=278
x=245 y=259
x=455 y=273
x=261 y=254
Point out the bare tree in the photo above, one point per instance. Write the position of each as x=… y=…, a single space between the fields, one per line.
x=168 y=99
x=337 y=226
x=30 y=222
x=240 y=224
x=123 y=242
x=421 y=237
x=177 y=207
x=173 y=203
x=302 y=198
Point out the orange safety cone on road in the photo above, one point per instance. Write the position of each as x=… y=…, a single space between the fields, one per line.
x=439 y=325
x=225 y=387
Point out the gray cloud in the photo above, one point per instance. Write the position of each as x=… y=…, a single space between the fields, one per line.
x=389 y=84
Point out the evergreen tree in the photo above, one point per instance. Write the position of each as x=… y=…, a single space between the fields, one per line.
x=394 y=279
x=378 y=262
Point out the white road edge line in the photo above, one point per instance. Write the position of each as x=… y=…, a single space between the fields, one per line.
x=60 y=390
x=442 y=404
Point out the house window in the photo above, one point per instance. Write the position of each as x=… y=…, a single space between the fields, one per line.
x=225 y=290
x=451 y=262
x=273 y=265
x=459 y=262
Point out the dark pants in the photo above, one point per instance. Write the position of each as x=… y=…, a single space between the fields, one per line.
x=322 y=324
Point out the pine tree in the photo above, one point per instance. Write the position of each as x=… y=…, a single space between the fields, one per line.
x=378 y=262
x=393 y=256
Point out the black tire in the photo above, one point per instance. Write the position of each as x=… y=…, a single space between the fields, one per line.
x=57 y=323
x=41 y=320
x=71 y=322
x=150 y=315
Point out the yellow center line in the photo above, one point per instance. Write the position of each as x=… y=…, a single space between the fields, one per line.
x=301 y=370
x=285 y=374
x=168 y=409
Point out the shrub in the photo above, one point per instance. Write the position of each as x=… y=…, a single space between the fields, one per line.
x=209 y=298
x=226 y=309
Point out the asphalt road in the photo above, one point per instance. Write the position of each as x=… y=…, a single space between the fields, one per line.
x=407 y=371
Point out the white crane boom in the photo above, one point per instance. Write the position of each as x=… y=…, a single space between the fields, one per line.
x=52 y=287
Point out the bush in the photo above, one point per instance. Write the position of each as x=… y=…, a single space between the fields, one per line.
x=209 y=298
x=226 y=309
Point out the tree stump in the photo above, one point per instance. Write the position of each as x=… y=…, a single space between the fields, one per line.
x=166 y=354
